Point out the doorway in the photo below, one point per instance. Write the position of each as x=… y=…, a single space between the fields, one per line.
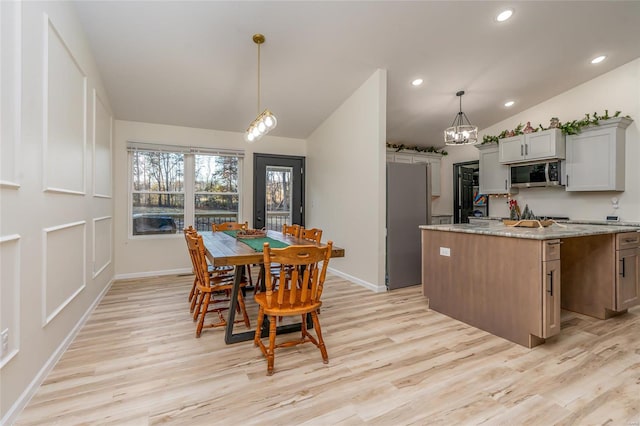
x=465 y=192
x=278 y=191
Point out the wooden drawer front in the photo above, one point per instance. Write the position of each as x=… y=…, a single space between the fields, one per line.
x=627 y=240
x=551 y=250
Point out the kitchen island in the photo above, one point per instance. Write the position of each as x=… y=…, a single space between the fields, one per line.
x=512 y=282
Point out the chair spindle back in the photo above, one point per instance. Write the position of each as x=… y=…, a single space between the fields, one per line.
x=300 y=264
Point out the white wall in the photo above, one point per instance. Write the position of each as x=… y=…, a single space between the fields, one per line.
x=618 y=90
x=56 y=244
x=347 y=181
x=162 y=254
x=455 y=154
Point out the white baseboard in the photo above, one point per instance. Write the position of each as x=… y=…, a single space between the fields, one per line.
x=153 y=274
x=12 y=415
x=363 y=283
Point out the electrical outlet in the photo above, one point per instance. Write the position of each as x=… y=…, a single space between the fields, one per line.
x=5 y=342
x=615 y=203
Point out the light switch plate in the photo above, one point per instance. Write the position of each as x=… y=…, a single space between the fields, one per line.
x=613 y=218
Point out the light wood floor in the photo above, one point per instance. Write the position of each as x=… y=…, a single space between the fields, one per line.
x=391 y=362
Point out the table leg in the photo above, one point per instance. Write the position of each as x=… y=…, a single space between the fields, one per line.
x=229 y=337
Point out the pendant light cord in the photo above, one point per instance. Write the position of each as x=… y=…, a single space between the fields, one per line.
x=258 y=78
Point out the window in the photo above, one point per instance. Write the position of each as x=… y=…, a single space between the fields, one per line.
x=216 y=197
x=173 y=187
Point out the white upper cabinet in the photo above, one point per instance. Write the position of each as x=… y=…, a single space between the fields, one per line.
x=403 y=158
x=595 y=157
x=543 y=145
x=494 y=177
x=433 y=159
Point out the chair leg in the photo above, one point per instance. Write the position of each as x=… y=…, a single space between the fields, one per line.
x=205 y=308
x=243 y=309
x=272 y=345
x=248 y=267
x=194 y=299
x=259 y=280
x=193 y=290
x=303 y=326
x=256 y=338
x=197 y=302
x=323 y=349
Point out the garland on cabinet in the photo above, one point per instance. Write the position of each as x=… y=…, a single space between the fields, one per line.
x=569 y=128
x=400 y=147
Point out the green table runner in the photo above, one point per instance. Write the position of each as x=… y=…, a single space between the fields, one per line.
x=257 y=244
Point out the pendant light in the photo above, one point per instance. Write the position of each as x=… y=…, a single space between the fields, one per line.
x=460 y=133
x=265 y=121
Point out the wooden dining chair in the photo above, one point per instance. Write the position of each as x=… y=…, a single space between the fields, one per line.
x=234 y=226
x=196 y=296
x=191 y=230
x=303 y=262
x=229 y=226
x=208 y=286
x=312 y=234
x=213 y=271
x=293 y=230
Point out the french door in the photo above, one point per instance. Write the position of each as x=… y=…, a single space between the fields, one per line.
x=278 y=191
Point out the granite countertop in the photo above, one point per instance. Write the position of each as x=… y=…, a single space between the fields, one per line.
x=579 y=221
x=554 y=231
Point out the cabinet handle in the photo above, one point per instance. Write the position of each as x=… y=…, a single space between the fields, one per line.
x=505 y=187
x=526 y=149
x=567 y=181
x=550 y=291
x=622 y=273
x=521 y=154
x=554 y=243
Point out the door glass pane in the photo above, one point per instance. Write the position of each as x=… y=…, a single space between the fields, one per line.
x=278 y=196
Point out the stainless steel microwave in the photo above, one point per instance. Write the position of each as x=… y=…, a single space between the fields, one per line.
x=546 y=173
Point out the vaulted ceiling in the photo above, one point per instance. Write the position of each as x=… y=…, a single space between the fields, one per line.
x=193 y=63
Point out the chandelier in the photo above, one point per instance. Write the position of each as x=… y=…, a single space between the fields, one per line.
x=265 y=121
x=460 y=133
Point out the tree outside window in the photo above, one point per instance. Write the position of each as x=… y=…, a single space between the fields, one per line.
x=160 y=196
x=216 y=190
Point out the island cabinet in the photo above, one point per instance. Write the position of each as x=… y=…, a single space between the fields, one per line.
x=507 y=286
x=551 y=288
x=543 y=145
x=600 y=274
x=627 y=270
x=513 y=282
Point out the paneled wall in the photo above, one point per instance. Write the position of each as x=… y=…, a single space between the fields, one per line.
x=56 y=189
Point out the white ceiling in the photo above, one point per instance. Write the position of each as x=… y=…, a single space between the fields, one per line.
x=194 y=63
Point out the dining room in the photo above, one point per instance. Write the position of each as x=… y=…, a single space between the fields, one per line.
x=96 y=322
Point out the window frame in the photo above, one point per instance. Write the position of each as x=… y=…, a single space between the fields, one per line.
x=189 y=163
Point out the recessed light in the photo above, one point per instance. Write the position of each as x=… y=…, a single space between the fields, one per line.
x=417 y=82
x=508 y=104
x=504 y=15
x=598 y=59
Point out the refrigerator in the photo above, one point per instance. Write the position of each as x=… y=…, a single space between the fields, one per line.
x=408 y=207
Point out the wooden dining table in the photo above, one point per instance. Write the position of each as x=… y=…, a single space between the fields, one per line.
x=226 y=250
